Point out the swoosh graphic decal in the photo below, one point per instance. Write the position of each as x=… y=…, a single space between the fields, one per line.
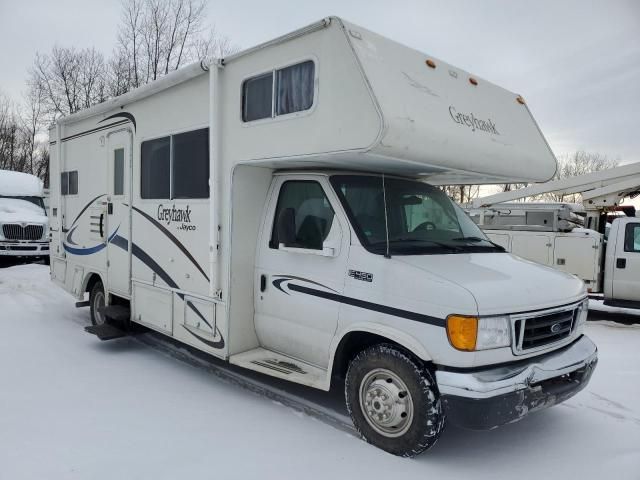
x=82 y=211
x=89 y=250
x=126 y=115
x=354 y=302
x=144 y=257
x=219 y=344
x=283 y=278
x=173 y=238
x=69 y=239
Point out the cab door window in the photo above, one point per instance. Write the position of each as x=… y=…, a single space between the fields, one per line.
x=303 y=216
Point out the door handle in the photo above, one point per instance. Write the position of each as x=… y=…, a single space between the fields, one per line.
x=110 y=208
x=101 y=223
x=263 y=282
x=621 y=262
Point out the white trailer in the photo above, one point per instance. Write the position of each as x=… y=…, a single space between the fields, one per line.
x=24 y=229
x=270 y=208
x=606 y=258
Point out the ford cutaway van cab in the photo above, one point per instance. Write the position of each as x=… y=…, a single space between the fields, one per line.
x=279 y=209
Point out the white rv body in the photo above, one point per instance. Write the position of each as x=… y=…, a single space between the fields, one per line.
x=206 y=272
x=24 y=230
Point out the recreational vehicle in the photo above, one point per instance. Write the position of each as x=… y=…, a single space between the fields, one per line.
x=23 y=220
x=278 y=209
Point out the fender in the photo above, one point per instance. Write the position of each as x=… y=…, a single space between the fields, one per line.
x=398 y=336
x=85 y=282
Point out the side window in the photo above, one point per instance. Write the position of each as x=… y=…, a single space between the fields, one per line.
x=69 y=183
x=155 y=165
x=257 y=97
x=632 y=237
x=303 y=216
x=64 y=183
x=190 y=164
x=118 y=171
x=293 y=92
x=175 y=166
x=295 y=88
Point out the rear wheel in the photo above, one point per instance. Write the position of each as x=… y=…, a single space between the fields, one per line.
x=393 y=401
x=97 y=300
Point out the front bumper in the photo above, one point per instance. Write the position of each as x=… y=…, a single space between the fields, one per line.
x=24 y=249
x=484 y=399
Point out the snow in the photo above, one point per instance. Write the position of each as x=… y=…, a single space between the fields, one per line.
x=20 y=184
x=16 y=210
x=72 y=407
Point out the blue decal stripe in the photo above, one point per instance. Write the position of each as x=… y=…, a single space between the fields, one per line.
x=89 y=250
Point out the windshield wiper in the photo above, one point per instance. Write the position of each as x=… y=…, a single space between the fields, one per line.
x=445 y=246
x=478 y=239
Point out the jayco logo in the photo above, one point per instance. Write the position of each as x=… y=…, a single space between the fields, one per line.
x=472 y=122
x=176 y=215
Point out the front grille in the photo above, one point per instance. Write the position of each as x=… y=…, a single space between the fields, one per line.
x=14 y=231
x=534 y=332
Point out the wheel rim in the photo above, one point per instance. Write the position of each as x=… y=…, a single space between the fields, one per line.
x=386 y=402
x=98 y=302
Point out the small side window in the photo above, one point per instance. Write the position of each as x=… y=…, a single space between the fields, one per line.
x=303 y=216
x=73 y=182
x=295 y=88
x=118 y=171
x=155 y=166
x=632 y=237
x=190 y=164
x=257 y=97
x=64 y=183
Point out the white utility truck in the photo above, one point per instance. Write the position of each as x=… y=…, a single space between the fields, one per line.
x=588 y=240
x=24 y=228
x=272 y=209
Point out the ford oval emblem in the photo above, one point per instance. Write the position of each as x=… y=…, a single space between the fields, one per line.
x=555 y=328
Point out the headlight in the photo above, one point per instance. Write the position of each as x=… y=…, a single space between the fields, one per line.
x=478 y=333
x=582 y=313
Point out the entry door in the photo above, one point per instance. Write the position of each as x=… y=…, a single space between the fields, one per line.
x=118 y=228
x=300 y=270
x=626 y=266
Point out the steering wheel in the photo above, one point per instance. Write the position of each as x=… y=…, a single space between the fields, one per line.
x=428 y=226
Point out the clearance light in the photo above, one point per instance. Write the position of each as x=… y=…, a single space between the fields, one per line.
x=473 y=81
x=462 y=332
x=520 y=100
x=430 y=63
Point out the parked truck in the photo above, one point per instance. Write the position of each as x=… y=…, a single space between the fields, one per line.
x=276 y=209
x=24 y=229
x=599 y=240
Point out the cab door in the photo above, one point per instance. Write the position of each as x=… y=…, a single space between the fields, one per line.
x=300 y=269
x=118 y=219
x=626 y=263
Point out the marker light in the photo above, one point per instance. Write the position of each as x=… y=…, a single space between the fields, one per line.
x=473 y=81
x=462 y=332
x=520 y=100
x=430 y=63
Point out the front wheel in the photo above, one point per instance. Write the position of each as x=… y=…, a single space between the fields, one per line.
x=393 y=401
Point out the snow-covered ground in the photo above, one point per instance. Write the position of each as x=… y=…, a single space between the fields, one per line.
x=74 y=407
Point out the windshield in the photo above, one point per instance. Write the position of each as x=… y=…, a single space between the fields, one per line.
x=421 y=219
x=13 y=204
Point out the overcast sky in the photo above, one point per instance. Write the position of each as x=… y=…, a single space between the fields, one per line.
x=576 y=62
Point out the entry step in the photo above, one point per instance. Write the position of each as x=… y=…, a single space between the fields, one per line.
x=105 y=331
x=281 y=366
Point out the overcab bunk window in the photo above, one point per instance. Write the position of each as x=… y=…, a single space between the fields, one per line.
x=293 y=92
x=69 y=183
x=176 y=166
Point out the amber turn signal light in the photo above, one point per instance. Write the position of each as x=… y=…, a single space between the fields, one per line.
x=520 y=100
x=430 y=63
x=462 y=332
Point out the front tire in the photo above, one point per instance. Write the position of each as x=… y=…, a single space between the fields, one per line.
x=97 y=299
x=393 y=401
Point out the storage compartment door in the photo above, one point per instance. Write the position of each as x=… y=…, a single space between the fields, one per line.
x=536 y=248
x=579 y=256
x=153 y=307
